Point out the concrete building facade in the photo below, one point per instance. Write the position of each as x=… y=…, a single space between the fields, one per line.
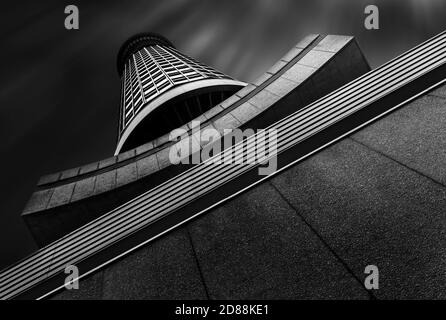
x=359 y=182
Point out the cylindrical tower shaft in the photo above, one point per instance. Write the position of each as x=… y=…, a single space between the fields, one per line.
x=163 y=89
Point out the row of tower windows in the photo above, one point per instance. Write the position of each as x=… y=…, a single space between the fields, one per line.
x=153 y=70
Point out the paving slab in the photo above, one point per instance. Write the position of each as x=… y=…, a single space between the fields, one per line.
x=165 y=269
x=373 y=211
x=414 y=135
x=258 y=235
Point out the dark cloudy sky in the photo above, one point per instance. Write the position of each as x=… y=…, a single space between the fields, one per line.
x=59 y=89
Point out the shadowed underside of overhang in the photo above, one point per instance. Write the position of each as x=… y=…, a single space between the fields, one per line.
x=174 y=109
